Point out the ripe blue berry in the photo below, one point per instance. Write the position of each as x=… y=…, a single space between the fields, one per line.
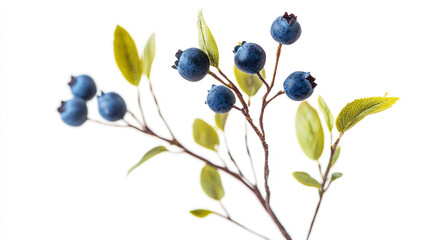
x=83 y=86
x=286 y=29
x=193 y=64
x=73 y=112
x=220 y=99
x=249 y=57
x=111 y=106
x=299 y=85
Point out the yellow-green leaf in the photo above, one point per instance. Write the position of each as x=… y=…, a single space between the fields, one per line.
x=220 y=119
x=357 y=110
x=305 y=179
x=126 y=56
x=211 y=182
x=153 y=152
x=206 y=41
x=201 y=213
x=309 y=131
x=249 y=83
x=335 y=176
x=148 y=55
x=336 y=155
x=205 y=135
x=327 y=114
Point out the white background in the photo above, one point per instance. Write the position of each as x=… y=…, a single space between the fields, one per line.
x=59 y=182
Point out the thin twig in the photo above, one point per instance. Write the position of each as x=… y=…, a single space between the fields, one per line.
x=263 y=80
x=230 y=154
x=105 y=123
x=224 y=209
x=242 y=226
x=140 y=107
x=135 y=118
x=248 y=153
x=277 y=94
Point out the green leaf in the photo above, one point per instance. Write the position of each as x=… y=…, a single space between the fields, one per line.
x=336 y=155
x=205 y=135
x=126 y=56
x=220 y=119
x=153 y=152
x=309 y=131
x=357 y=110
x=211 y=183
x=201 y=213
x=249 y=83
x=327 y=114
x=335 y=176
x=305 y=179
x=148 y=55
x=206 y=41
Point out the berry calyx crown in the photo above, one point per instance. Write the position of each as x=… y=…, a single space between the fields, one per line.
x=290 y=18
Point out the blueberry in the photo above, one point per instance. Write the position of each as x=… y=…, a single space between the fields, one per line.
x=83 y=86
x=220 y=99
x=299 y=85
x=73 y=112
x=249 y=57
x=111 y=106
x=193 y=64
x=286 y=29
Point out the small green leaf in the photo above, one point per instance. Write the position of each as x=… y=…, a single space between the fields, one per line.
x=357 y=110
x=148 y=55
x=336 y=155
x=249 y=83
x=201 y=213
x=211 y=182
x=153 y=152
x=206 y=41
x=305 y=179
x=335 y=176
x=327 y=114
x=220 y=119
x=309 y=131
x=205 y=135
x=126 y=56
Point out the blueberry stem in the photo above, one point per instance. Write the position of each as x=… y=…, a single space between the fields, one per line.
x=231 y=157
x=263 y=80
x=135 y=118
x=105 y=123
x=246 y=141
x=242 y=226
x=140 y=107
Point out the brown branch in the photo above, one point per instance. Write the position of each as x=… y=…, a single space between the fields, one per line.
x=263 y=80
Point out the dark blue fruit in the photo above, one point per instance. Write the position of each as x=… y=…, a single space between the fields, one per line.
x=249 y=57
x=299 y=85
x=220 y=99
x=83 y=86
x=286 y=29
x=193 y=64
x=111 y=106
x=73 y=112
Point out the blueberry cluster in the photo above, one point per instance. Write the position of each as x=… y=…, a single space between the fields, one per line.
x=74 y=112
x=193 y=65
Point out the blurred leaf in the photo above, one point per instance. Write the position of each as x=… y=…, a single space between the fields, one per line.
x=153 y=152
x=249 y=83
x=357 y=110
x=148 y=55
x=201 y=213
x=211 y=182
x=336 y=155
x=220 y=119
x=206 y=41
x=205 y=135
x=309 y=131
x=335 y=176
x=126 y=56
x=327 y=114
x=305 y=179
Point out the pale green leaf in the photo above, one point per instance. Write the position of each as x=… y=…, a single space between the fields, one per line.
x=206 y=41
x=327 y=114
x=211 y=182
x=309 y=131
x=220 y=119
x=305 y=179
x=249 y=83
x=153 y=152
x=205 y=135
x=126 y=56
x=148 y=55
x=201 y=213
x=335 y=176
x=336 y=155
x=357 y=110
